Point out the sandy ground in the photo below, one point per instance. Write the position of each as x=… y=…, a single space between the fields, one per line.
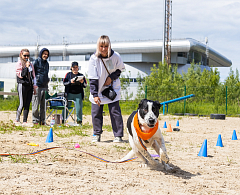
x=62 y=171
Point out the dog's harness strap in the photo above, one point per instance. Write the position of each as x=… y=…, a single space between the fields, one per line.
x=146 y=141
x=129 y=121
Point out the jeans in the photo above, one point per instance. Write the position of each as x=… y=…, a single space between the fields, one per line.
x=79 y=104
x=115 y=115
x=38 y=101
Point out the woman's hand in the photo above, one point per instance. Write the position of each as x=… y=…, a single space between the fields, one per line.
x=108 y=81
x=81 y=81
x=35 y=89
x=97 y=101
x=73 y=80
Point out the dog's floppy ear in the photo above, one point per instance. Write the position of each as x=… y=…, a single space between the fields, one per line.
x=141 y=103
x=158 y=104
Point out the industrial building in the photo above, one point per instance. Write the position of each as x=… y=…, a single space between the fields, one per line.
x=138 y=56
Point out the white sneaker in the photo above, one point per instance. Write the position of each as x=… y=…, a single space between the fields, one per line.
x=25 y=124
x=117 y=140
x=17 y=123
x=96 y=138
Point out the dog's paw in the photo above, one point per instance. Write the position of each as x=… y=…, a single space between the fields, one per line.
x=164 y=157
x=167 y=167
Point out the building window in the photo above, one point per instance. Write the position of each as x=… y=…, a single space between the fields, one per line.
x=197 y=57
x=182 y=54
x=55 y=68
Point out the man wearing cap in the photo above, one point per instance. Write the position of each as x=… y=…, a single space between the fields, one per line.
x=74 y=83
x=41 y=68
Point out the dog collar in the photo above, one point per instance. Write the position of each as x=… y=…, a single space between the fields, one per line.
x=140 y=133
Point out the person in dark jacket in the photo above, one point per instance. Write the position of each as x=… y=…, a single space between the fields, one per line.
x=41 y=68
x=74 y=89
x=26 y=84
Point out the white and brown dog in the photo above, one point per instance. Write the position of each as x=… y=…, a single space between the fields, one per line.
x=144 y=132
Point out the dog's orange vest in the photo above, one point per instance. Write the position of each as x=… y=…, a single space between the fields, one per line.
x=140 y=133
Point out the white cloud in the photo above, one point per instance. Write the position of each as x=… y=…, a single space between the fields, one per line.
x=84 y=21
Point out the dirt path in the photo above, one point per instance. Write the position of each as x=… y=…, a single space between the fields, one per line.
x=62 y=171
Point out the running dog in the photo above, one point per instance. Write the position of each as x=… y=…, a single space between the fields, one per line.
x=144 y=132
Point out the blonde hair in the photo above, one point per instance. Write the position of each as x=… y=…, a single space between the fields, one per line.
x=21 y=59
x=103 y=40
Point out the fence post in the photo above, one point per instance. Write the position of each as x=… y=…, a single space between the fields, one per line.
x=146 y=92
x=226 y=100
x=184 y=100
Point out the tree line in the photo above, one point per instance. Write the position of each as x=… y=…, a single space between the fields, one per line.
x=166 y=83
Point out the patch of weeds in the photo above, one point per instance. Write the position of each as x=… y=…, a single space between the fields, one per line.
x=230 y=161
x=168 y=145
x=18 y=159
x=73 y=132
x=41 y=135
x=108 y=128
x=164 y=134
x=54 y=158
x=191 y=144
x=1 y=159
x=9 y=127
x=36 y=160
x=36 y=126
x=33 y=134
x=121 y=148
x=44 y=128
x=87 y=126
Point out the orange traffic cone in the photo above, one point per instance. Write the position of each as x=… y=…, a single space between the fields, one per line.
x=169 y=128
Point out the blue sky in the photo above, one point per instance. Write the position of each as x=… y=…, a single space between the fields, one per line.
x=21 y=22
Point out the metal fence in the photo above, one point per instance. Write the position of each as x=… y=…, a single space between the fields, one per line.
x=207 y=100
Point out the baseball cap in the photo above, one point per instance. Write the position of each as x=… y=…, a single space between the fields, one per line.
x=74 y=64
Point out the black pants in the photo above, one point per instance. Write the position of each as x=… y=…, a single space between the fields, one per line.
x=115 y=115
x=25 y=97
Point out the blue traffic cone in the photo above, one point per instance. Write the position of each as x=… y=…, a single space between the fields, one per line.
x=203 y=150
x=165 y=125
x=219 y=141
x=50 y=136
x=177 y=125
x=234 y=135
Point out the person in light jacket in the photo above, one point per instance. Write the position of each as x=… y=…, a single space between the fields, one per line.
x=26 y=84
x=99 y=80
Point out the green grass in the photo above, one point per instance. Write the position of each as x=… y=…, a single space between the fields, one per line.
x=107 y=127
x=9 y=127
x=127 y=106
x=121 y=148
x=72 y=131
x=18 y=159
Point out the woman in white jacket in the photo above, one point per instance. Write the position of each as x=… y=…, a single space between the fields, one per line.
x=100 y=78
